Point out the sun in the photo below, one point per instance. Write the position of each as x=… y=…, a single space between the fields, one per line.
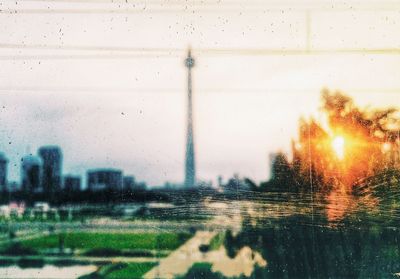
x=338 y=146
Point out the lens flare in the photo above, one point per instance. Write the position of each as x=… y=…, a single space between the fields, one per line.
x=338 y=146
x=386 y=147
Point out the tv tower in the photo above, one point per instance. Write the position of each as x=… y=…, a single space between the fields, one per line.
x=190 y=170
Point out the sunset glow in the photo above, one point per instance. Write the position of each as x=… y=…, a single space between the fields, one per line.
x=338 y=146
x=386 y=147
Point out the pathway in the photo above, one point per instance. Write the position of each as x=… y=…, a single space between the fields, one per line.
x=180 y=260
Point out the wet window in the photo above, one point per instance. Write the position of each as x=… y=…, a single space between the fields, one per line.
x=199 y=139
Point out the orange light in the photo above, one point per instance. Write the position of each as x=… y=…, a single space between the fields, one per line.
x=338 y=146
x=386 y=147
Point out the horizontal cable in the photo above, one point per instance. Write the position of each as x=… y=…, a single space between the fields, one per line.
x=178 y=90
x=126 y=8
x=207 y=52
x=113 y=52
x=89 y=48
x=83 y=56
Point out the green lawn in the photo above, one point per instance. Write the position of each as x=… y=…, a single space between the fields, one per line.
x=130 y=271
x=86 y=240
x=121 y=271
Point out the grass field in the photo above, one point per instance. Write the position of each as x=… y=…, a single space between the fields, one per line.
x=121 y=271
x=130 y=271
x=87 y=240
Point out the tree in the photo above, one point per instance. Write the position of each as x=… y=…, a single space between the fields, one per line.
x=353 y=144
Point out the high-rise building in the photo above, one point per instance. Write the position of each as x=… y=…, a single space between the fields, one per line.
x=72 y=183
x=52 y=168
x=31 y=174
x=129 y=182
x=3 y=172
x=13 y=186
x=190 y=170
x=105 y=179
x=140 y=186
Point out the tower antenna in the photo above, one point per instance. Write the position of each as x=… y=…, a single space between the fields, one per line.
x=190 y=170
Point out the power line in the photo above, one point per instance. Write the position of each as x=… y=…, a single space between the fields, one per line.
x=282 y=4
x=169 y=10
x=157 y=6
x=168 y=53
x=304 y=51
x=171 y=50
x=83 y=56
x=90 y=48
x=95 y=89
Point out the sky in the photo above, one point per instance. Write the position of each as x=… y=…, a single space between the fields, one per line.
x=105 y=80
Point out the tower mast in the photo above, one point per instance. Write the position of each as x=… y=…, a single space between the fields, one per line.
x=190 y=172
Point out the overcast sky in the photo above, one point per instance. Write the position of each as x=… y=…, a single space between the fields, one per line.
x=106 y=81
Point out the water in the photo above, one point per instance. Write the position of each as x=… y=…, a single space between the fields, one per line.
x=46 y=272
x=295 y=248
x=275 y=235
x=299 y=236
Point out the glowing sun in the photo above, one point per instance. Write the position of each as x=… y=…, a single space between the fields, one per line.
x=338 y=146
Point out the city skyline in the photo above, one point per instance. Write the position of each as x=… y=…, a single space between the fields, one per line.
x=112 y=92
x=80 y=169
x=42 y=173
